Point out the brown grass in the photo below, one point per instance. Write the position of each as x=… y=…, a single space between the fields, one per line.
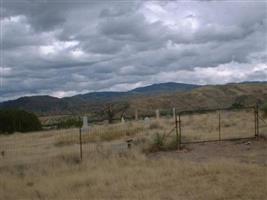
x=38 y=166
x=102 y=133
x=132 y=176
x=197 y=127
x=234 y=124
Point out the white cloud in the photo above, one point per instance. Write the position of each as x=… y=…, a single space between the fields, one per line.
x=61 y=94
x=56 y=47
x=223 y=73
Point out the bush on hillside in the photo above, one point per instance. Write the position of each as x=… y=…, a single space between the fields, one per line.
x=12 y=120
x=69 y=123
x=264 y=109
x=237 y=105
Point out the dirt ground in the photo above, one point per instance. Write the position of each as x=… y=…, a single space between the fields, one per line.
x=253 y=151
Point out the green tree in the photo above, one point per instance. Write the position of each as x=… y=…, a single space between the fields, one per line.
x=13 y=120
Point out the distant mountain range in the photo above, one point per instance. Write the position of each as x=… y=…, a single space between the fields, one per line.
x=53 y=105
x=164 y=87
x=157 y=95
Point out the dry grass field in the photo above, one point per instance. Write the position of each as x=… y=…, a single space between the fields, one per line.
x=46 y=165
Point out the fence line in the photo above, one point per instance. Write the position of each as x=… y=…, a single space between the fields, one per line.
x=79 y=141
x=178 y=124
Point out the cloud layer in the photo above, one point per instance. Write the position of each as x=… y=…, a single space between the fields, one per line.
x=67 y=47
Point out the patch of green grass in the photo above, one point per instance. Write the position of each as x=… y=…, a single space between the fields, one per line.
x=161 y=143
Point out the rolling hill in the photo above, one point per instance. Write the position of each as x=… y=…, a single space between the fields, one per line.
x=47 y=105
x=163 y=95
x=213 y=96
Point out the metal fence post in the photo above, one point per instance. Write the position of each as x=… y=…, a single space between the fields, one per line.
x=257 y=120
x=180 y=131
x=81 y=149
x=176 y=130
x=219 y=128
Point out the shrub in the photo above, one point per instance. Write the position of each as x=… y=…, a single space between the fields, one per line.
x=161 y=143
x=12 y=120
x=237 y=105
x=159 y=140
x=155 y=125
x=239 y=102
x=157 y=143
x=69 y=123
x=171 y=144
x=264 y=109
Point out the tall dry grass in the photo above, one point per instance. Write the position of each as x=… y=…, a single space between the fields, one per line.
x=132 y=176
x=107 y=132
x=234 y=124
x=196 y=127
x=39 y=166
x=32 y=146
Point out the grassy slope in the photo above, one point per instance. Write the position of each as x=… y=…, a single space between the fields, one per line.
x=205 y=97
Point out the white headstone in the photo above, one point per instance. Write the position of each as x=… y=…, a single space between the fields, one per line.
x=136 y=114
x=173 y=113
x=157 y=113
x=147 y=122
x=85 y=122
x=119 y=147
x=122 y=120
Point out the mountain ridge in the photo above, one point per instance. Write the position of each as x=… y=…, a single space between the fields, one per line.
x=48 y=105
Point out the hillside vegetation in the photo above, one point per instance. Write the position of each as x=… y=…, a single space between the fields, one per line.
x=206 y=97
x=159 y=96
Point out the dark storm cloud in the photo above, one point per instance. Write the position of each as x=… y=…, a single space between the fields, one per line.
x=43 y=15
x=62 y=48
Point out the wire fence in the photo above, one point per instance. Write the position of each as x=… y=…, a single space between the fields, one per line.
x=184 y=126
x=196 y=126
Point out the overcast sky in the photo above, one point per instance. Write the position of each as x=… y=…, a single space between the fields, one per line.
x=65 y=47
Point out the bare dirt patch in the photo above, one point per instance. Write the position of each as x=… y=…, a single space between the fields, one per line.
x=252 y=151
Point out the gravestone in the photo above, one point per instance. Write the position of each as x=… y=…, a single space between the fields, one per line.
x=136 y=114
x=157 y=114
x=122 y=120
x=85 y=123
x=147 y=122
x=173 y=113
x=119 y=147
